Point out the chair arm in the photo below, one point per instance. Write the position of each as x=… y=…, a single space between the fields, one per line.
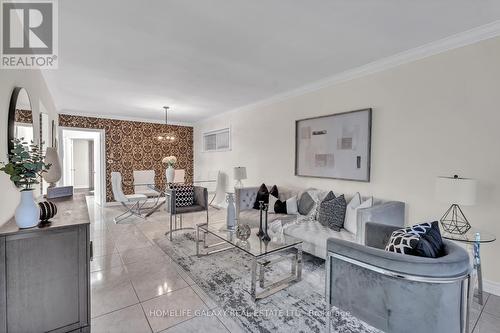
x=245 y=198
x=390 y=212
x=201 y=196
x=455 y=263
x=377 y=234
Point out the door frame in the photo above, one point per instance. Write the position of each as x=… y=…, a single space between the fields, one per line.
x=102 y=155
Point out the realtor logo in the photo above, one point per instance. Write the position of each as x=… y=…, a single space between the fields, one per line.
x=29 y=34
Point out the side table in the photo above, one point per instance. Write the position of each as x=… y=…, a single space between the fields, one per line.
x=470 y=238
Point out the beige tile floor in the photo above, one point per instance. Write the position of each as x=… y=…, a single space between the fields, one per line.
x=136 y=287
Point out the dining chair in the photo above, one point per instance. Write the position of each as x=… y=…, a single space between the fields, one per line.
x=133 y=203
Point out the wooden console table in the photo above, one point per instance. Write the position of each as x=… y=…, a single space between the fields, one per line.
x=45 y=272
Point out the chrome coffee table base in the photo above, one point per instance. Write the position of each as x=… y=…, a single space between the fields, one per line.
x=260 y=263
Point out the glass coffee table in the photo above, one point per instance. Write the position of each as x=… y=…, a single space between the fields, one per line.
x=263 y=254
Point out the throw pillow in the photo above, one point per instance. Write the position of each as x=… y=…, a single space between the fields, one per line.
x=423 y=240
x=291 y=206
x=184 y=195
x=332 y=211
x=262 y=195
x=272 y=203
x=306 y=204
x=351 y=213
x=280 y=207
x=274 y=191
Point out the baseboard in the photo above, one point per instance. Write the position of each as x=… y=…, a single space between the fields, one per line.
x=491 y=287
x=111 y=204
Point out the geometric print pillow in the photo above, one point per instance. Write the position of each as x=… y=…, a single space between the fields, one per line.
x=423 y=240
x=184 y=195
x=331 y=212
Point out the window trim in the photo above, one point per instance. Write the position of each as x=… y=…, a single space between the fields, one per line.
x=219 y=131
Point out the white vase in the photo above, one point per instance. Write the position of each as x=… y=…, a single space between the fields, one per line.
x=54 y=174
x=27 y=212
x=231 y=211
x=170 y=174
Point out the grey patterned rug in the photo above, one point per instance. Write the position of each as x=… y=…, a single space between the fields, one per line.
x=225 y=277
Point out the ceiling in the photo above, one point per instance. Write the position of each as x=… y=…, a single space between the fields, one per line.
x=122 y=58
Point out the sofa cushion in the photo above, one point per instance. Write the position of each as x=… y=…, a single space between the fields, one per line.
x=306 y=203
x=313 y=232
x=332 y=211
x=262 y=195
x=423 y=240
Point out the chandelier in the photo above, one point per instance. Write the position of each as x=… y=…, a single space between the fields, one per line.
x=167 y=136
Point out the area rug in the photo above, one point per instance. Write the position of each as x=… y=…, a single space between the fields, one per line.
x=225 y=278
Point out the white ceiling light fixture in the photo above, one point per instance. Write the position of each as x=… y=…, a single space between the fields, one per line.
x=167 y=136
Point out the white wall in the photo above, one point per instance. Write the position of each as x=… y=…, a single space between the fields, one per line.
x=40 y=99
x=436 y=116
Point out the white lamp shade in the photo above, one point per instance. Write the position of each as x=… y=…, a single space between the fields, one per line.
x=53 y=175
x=460 y=191
x=240 y=173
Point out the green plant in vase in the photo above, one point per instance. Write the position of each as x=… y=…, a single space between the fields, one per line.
x=25 y=168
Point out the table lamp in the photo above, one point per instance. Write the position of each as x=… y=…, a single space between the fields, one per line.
x=240 y=173
x=456 y=191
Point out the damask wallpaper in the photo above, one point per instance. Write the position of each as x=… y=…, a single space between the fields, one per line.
x=131 y=145
x=23 y=116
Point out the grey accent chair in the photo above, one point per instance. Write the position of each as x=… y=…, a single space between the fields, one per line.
x=200 y=204
x=396 y=292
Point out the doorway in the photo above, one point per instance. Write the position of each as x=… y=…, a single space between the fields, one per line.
x=83 y=154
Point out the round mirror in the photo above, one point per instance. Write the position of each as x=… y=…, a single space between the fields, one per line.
x=20 y=124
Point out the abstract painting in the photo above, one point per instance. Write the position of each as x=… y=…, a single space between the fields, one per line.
x=334 y=146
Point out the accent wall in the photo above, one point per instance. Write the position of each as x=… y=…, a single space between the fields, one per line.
x=131 y=145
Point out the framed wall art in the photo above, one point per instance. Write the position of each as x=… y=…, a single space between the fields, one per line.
x=334 y=146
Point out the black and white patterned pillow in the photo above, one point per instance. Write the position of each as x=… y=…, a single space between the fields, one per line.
x=332 y=211
x=423 y=240
x=184 y=195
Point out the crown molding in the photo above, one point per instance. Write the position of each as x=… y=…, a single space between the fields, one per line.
x=125 y=118
x=465 y=38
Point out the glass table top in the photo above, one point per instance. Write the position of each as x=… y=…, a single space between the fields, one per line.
x=253 y=245
x=470 y=236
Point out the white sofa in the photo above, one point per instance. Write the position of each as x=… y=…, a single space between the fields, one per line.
x=311 y=232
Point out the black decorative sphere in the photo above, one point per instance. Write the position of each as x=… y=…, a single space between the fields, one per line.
x=47 y=210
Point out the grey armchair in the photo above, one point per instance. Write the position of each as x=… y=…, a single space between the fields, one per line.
x=396 y=292
x=200 y=204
